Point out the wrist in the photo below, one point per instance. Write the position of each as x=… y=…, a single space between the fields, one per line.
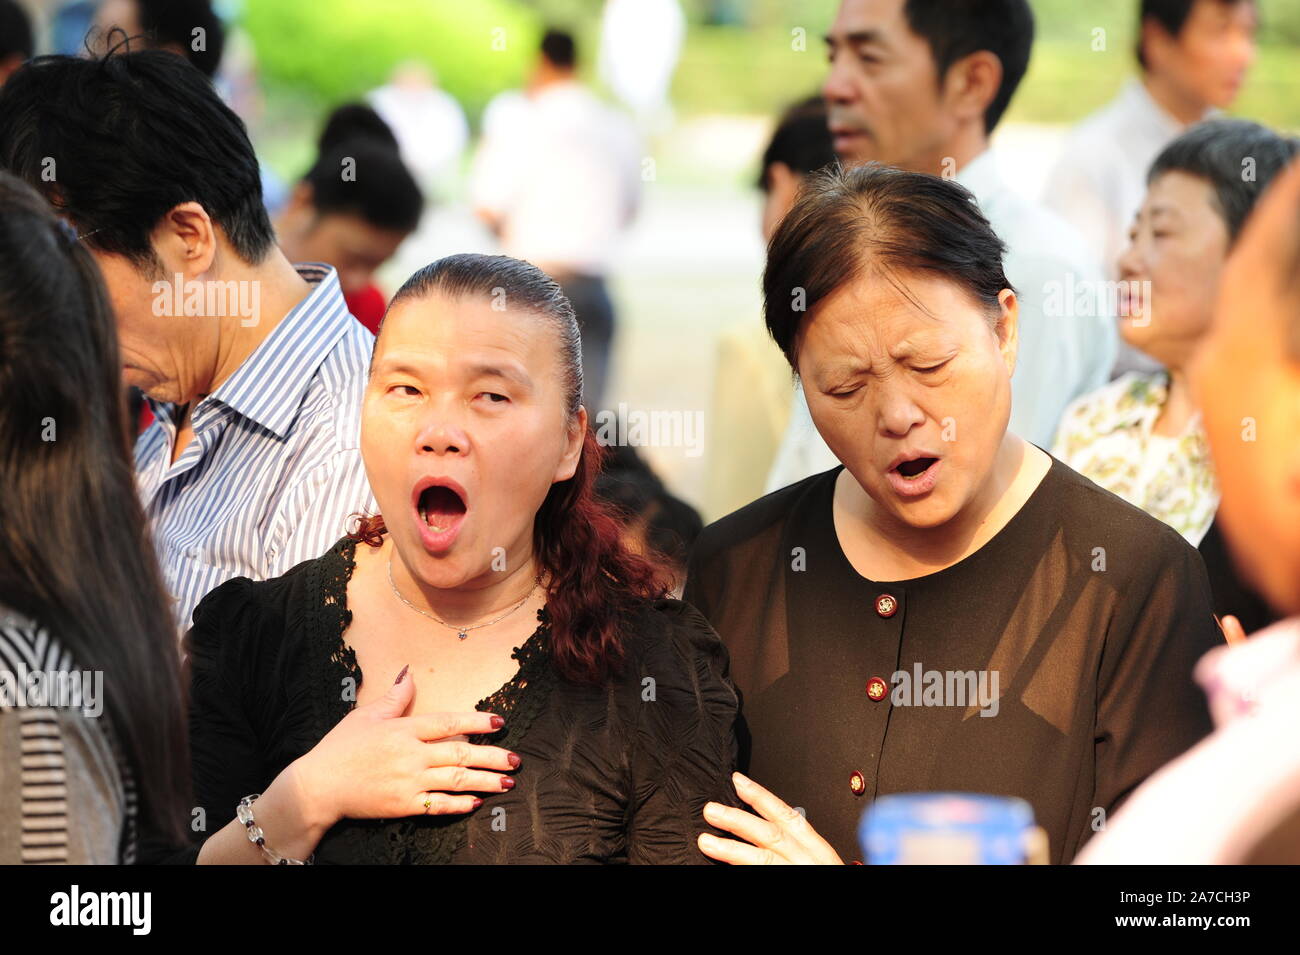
x=314 y=808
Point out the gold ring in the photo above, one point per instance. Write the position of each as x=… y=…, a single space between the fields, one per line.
x=428 y=802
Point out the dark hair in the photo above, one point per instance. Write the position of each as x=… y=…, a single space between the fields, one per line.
x=15 y=31
x=166 y=22
x=958 y=28
x=802 y=141
x=594 y=580
x=1170 y=14
x=75 y=553
x=670 y=525
x=380 y=190
x=354 y=121
x=845 y=220
x=132 y=135
x=1217 y=150
x=559 y=49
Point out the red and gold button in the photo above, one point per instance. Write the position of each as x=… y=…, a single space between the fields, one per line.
x=886 y=605
x=877 y=689
x=857 y=783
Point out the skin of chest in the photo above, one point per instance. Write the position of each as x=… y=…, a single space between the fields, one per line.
x=451 y=675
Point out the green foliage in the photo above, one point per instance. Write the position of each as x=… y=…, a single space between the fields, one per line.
x=334 y=50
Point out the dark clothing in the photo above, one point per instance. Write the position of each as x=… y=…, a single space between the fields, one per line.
x=595 y=311
x=1231 y=594
x=613 y=774
x=1090 y=614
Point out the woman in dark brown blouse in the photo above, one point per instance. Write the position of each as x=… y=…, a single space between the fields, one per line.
x=483 y=674
x=952 y=609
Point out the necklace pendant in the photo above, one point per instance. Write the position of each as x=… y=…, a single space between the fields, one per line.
x=462 y=634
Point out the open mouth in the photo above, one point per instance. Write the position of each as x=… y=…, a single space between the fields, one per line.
x=911 y=470
x=441 y=508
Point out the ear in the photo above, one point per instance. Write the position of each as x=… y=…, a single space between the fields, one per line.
x=186 y=240
x=1007 y=329
x=1156 y=42
x=568 y=465
x=972 y=83
x=302 y=198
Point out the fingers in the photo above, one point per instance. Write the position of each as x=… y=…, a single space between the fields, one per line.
x=397 y=698
x=735 y=853
x=443 y=804
x=1233 y=631
x=783 y=830
x=458 y=779
x=434 y=726
x=461 y=753
x=745 y=825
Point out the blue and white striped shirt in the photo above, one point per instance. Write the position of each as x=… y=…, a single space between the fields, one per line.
x=274 y=469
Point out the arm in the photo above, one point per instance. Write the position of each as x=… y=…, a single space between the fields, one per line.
x=1150 y=709
x=684 y=743
x=225 y=745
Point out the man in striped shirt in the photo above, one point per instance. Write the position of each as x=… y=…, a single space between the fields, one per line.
x=253 y=367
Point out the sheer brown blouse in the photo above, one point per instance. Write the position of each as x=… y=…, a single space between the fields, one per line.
x=1083 y=617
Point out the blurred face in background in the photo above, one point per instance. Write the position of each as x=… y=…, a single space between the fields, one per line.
x=1246 y=377
x=1209 y=58
x=912 y=396
x=782 y=187
x=355 y=247
x=464 y=430
x=1178 y=243
x=883 y=95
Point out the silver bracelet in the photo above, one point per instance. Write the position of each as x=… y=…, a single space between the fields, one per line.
x=244 y=812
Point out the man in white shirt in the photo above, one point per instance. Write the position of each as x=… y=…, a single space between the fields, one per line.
x=557 y=178
x=921 y=85
x=1194 y=55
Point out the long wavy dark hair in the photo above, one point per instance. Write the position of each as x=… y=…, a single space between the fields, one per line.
x=594 y=579
x=75 y=555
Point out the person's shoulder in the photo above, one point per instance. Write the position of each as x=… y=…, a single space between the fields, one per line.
x=249 y=617
x=759 y=516
x=1104 y=408
x=1132 y=542
x=1042 y=239
x=669 y=637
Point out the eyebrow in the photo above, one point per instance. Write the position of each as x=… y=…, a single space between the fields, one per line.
x=403 y=366
x=856 y=38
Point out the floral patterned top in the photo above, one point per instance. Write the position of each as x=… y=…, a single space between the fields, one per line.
x=1107 y=437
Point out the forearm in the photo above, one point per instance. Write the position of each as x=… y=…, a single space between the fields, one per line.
x=292 y=825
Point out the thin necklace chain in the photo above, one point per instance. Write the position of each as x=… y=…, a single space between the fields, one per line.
x=461 y=632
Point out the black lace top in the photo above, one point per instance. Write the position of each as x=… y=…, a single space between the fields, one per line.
x=612 y=774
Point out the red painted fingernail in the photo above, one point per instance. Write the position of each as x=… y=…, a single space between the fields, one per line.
x=477 y=802
x=507 y=782
x=498 y=722
x=514 y=760
x=401 y=675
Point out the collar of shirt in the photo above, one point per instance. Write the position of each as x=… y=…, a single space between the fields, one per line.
x=268 y=387
x=981 y=176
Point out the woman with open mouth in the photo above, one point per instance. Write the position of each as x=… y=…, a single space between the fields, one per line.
x=943 y=546
x=480 y=673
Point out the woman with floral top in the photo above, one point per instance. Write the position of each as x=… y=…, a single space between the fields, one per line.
x=1141 y=435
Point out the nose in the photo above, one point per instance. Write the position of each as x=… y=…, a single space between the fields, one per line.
x=442 y=433
x=838 y=87
x=898 y=413
x=1132 y=261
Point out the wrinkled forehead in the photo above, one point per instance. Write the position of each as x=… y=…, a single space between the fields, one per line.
x=456 y=332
